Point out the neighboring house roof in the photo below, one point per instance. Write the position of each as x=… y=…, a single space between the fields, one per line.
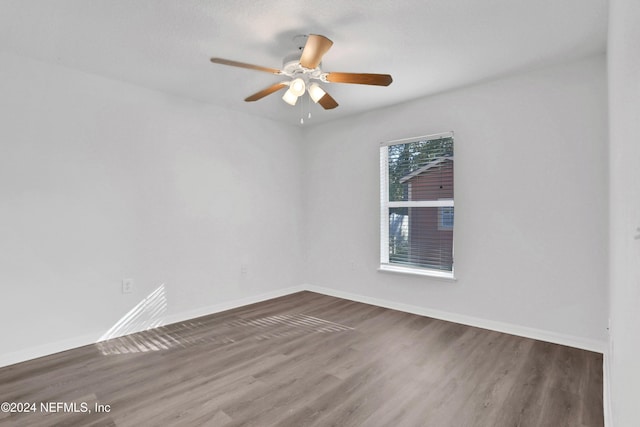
x=425 y=168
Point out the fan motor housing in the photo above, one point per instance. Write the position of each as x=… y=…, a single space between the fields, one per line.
x=291 y=64
x=292 y=68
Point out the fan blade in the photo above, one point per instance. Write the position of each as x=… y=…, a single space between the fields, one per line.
x=264 y=92
x=245 y=65
x=327 y=102
x=315 y=47
x=360 y=78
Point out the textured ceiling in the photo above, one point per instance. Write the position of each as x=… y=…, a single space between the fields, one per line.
x=426 y=45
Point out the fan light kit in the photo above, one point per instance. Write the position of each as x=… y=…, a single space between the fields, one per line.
x=296 y=90
x=305 y=74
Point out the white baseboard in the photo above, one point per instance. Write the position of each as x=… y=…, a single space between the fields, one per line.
x=217 y=308
x=508 y=328
x=606 y=392
x=46 y=349
x=63 y=345
x=68 y=344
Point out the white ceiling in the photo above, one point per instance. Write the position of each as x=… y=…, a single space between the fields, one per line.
x=428 y=46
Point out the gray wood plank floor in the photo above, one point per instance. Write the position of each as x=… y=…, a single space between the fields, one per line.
x=312 y=360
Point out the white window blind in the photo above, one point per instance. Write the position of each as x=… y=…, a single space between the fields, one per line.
x=417 y=205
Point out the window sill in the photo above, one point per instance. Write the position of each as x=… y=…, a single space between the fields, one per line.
x=416 y=271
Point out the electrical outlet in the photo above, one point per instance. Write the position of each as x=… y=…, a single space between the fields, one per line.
x=244 y=269
x=127 y=286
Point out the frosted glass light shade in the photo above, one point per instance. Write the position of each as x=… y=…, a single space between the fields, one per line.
x=316 y=92
x=297 y=87
x=289 y=97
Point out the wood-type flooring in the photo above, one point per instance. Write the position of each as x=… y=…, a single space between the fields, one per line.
x=309 y=360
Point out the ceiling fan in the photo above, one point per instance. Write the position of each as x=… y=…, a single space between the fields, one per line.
x=304 y=73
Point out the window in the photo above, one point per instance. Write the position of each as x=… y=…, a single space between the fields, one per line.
x=417 y=206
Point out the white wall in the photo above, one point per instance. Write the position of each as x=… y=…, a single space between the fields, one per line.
x=101 y=180
x=624 y=117
x=531 y=203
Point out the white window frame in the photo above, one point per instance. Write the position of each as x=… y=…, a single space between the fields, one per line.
x=385 y=205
